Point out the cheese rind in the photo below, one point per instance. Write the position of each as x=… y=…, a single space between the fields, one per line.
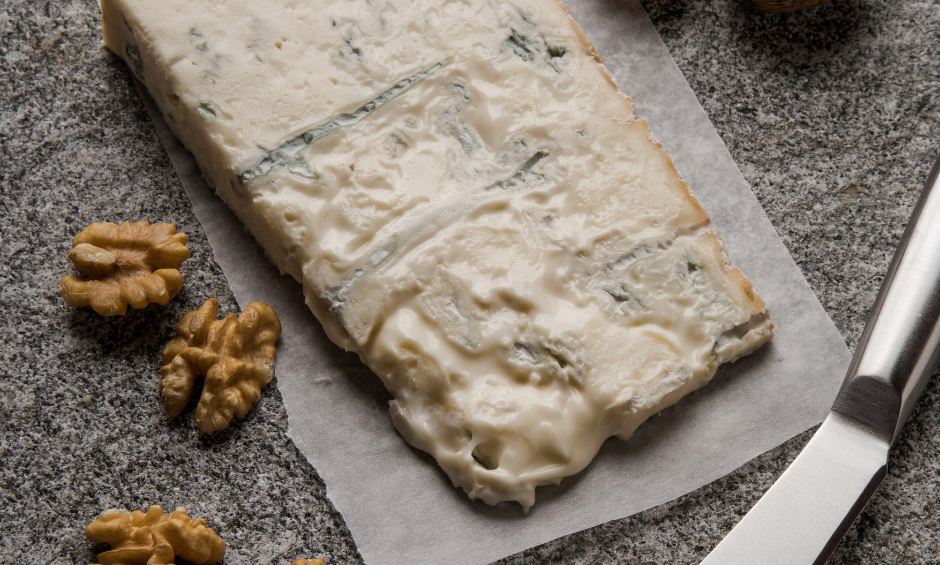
x=470 y=204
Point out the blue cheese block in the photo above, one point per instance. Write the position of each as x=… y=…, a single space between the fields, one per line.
x=471 y=205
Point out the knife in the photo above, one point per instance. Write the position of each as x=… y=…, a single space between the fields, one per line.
x=805 y=514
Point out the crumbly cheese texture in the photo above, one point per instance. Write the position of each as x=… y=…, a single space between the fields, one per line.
x=470 y=204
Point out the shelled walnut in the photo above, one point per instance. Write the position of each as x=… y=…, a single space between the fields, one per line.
x=235 y=354
x=128 y=264
x=153 y=538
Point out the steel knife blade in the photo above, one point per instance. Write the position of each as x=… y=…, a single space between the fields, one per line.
x=805 y=514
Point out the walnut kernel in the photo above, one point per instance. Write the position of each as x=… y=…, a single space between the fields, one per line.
x=153 y=538
x=128 y=264
x=236 y=354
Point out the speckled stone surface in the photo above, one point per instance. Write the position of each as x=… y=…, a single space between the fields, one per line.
x=832 y=114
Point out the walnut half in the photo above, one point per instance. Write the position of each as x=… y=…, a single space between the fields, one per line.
x=236 y=354
x=128 y=264
x=153 y=538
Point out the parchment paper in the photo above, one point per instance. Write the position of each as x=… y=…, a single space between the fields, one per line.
x=400 y=507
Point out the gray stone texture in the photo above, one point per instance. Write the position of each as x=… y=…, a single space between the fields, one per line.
x=833 y=115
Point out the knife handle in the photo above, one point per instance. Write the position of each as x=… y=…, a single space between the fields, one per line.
x=898 y=350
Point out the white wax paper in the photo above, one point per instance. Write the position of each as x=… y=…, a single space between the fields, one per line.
x=400 y=507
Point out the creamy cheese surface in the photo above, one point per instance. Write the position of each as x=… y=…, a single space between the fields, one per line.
x=470 y=204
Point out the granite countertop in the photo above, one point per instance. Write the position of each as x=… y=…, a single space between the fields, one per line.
x=832 y=114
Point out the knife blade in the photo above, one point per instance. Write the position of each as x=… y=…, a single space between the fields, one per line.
x=805 y=514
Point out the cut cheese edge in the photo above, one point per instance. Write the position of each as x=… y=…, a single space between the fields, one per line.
x=470 y=204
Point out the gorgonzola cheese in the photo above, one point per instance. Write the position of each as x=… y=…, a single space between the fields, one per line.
x=470 y=204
